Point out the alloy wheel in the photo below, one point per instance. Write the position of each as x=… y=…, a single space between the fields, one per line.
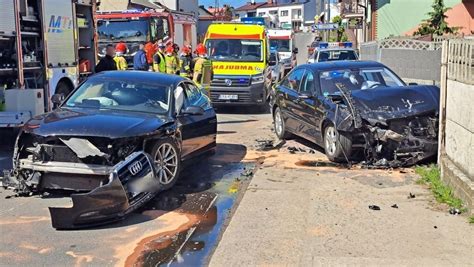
x=166 y=162
x=331 y=140
x=278 y=123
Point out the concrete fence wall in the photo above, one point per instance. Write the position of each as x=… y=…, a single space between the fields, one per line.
x=413 y=60
x=456 y=154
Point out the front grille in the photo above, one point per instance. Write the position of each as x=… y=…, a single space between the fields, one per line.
x=242 y=96
x=126 y=176
x=240 y=81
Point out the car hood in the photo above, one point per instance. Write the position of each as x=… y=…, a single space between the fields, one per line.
x=93 y=122
x=396 y=102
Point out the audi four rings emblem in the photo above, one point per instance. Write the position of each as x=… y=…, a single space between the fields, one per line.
x=228 y=82
x=135 y=168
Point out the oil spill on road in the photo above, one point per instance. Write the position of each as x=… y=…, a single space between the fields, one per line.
x=194 y=212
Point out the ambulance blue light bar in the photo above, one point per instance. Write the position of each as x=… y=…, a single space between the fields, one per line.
x=253 y=20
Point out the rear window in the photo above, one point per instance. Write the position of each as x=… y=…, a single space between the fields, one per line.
x=334 y=55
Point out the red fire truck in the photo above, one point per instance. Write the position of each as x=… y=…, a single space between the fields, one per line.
x=134 y=24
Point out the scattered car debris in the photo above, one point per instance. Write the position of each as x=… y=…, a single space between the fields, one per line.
x=435 y=227
x=395 y=206
x=374 y=207
x=454 y=211
x=411 y=195
x=268 y=144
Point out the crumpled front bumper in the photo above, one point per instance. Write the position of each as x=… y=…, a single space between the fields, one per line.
x=129 y=187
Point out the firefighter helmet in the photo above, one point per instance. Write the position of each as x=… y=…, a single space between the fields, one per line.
x=121 y=47
x=201 y=49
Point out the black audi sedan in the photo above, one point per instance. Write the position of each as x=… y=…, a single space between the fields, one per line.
x=117 y=140
x=358 y=110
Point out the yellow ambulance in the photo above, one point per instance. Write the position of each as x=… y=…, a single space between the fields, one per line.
x=239 y=54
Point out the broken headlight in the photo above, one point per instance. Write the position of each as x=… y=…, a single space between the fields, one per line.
x=126 y=147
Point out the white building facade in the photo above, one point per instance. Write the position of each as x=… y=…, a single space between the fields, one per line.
x=287 y=15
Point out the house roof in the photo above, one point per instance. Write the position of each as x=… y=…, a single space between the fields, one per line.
x=250 y=6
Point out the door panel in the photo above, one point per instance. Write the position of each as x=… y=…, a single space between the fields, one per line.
x=310 y=112
x=290 y=86
x=198 y=131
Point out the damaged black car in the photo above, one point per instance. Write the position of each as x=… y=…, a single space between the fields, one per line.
x=358 y=110
x=116 y=141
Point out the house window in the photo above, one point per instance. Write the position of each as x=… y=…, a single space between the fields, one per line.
x=298 y=12
x=273 y=12
x=261 y=14
x=284 y=13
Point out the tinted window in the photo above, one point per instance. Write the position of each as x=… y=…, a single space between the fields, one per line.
x=357 y=79
x=129 y=95
x=333 y=55
x=308 y=83
x=193 y=94
x=293 y=80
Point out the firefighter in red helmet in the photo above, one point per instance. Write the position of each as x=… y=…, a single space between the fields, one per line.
x=120 y=61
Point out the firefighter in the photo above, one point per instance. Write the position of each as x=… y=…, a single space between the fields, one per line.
x=120 y=61
x=170 y=60
x=176 y=55
x=185 y=61
x=159 y=64
x=201 y=65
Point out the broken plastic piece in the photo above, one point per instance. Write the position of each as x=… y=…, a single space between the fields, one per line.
x=374 y=207
x=395 y=206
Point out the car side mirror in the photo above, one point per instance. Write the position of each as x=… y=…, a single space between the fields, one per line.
x=57 y=100
x=193 y=110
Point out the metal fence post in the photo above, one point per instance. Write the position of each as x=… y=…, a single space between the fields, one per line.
x=442 y=102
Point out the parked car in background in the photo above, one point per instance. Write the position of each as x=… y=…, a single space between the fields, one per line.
x=117 y=140
x=358 y=110
x=279 y=67
x=333 y=52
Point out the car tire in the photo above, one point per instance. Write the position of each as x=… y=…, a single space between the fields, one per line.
x=337 y=146
x=279 y=125
x=167 y=159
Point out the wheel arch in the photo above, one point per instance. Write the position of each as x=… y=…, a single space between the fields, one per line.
x=67 y=81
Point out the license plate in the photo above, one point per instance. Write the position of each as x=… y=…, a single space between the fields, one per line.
x=228 y=97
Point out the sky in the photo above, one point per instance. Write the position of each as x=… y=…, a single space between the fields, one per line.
x=234 y=3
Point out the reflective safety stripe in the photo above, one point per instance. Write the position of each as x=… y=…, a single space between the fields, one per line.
x=171 y=64
x=121 y=63
x=161 y=67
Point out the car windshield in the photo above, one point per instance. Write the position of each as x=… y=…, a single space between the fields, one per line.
x=280 y=45
x=123 y=30
x=127 y=95
x=235 y=50
x=357 y=79
x=332 y=55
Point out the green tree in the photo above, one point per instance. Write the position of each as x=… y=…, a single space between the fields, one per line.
x=340 y=29
x=436 y=23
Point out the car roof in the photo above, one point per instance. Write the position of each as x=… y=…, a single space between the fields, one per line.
x=144 y=76
x=342 y=64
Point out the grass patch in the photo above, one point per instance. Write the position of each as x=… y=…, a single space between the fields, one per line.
x=471 y=219
x=430 y=176
x=2 y=106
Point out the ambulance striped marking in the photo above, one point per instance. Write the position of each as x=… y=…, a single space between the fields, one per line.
x=229 y=36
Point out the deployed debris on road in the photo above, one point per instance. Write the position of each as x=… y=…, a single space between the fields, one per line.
x=374 y=207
